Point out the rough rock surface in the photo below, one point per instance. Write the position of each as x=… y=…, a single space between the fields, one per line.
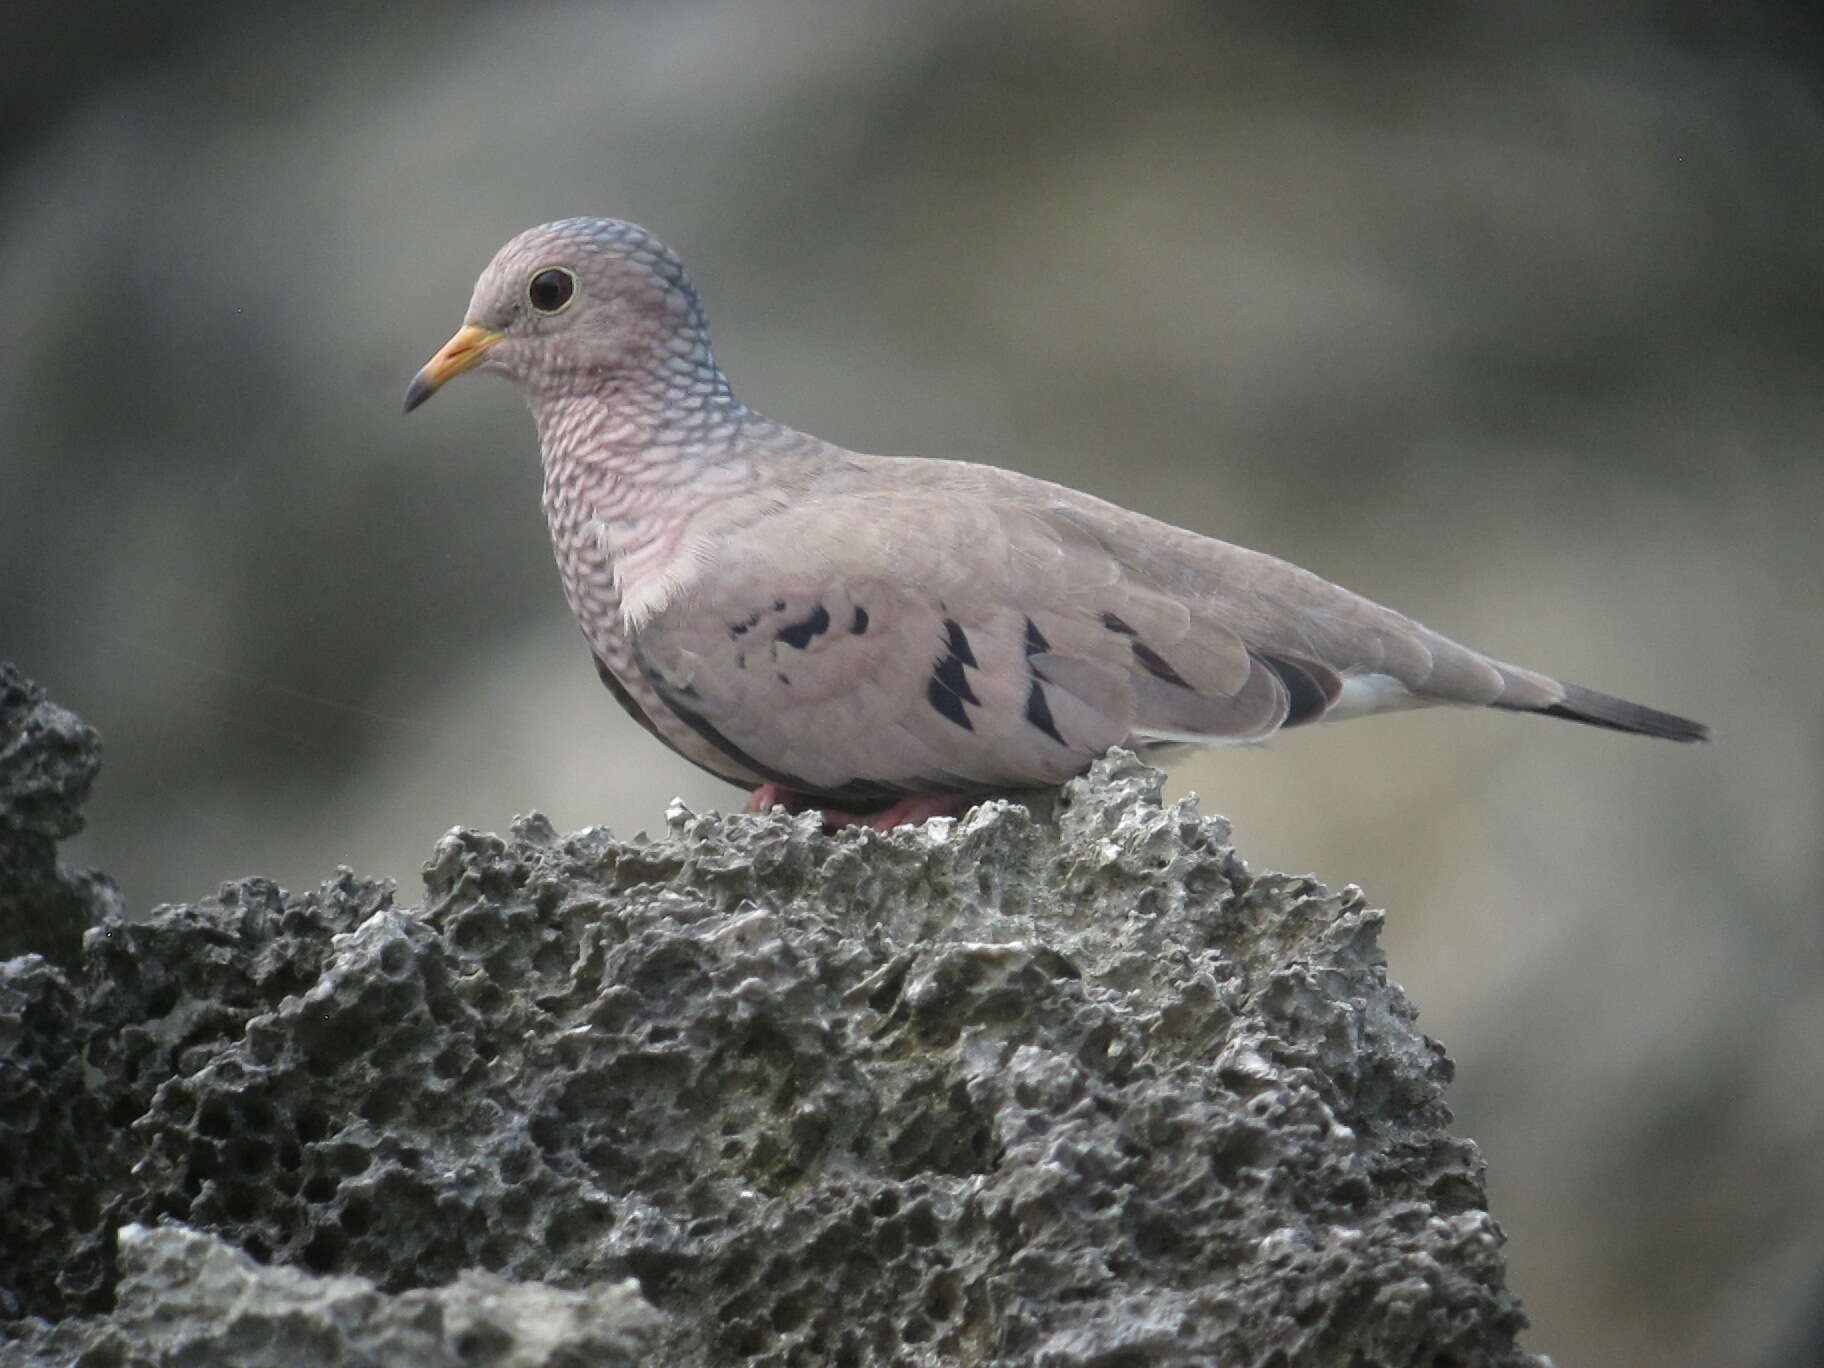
x=48 y=760
x=993 y=1091
x=192 y=1299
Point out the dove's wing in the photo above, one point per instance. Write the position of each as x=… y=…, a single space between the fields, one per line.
x=937 y=627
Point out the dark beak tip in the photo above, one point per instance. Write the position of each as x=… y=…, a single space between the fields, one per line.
x=417 y=392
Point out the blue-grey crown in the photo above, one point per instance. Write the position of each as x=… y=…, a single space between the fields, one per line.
x=629 y=241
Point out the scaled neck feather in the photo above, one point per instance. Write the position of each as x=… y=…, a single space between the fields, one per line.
x=625 y=478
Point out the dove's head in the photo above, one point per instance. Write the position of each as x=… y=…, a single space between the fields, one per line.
x=583 y=305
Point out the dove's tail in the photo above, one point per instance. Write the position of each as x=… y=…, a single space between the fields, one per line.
x=1617 y=714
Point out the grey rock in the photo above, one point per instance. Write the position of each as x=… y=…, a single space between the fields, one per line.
x=998 y=1090
x=48 y=760
x=83 y=1056
x=191 y=1299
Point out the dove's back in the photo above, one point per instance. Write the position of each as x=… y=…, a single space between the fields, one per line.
x=888 y=625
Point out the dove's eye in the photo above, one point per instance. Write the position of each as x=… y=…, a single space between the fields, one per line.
x=551 y=289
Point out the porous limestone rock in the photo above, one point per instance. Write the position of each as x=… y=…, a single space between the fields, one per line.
x=191 y=1299
x=48 y=760
x=998 y=1090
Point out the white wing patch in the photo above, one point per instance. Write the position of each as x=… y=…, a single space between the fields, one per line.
x=1365 y=694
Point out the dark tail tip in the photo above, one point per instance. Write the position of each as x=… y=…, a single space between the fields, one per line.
x=1617 y=714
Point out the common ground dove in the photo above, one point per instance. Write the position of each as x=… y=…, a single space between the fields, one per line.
x=887 y=638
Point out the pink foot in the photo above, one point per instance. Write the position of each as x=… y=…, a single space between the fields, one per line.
x=769 y=796
x=910 y=811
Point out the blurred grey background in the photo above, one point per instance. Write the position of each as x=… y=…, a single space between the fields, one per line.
x=1507 y=315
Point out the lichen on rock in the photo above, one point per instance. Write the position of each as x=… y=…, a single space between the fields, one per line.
x=997 y=1090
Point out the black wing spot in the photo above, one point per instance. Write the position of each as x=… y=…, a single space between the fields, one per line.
x=949 y=687
x=860 y=624
x=1157 y=665
x=1038 y=712
x=958 y=644
x=947 y=702
x=949 y=674
x=1306 y=697
x=737 y=630
x=799 y=634
x=1035 y=639
x=1150 y=660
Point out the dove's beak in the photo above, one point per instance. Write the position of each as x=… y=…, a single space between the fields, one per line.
x=462 y=352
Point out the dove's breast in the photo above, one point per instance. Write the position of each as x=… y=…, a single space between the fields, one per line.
x=622 y=556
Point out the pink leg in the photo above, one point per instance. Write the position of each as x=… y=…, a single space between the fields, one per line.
x=768 y=796
x=910 y=811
